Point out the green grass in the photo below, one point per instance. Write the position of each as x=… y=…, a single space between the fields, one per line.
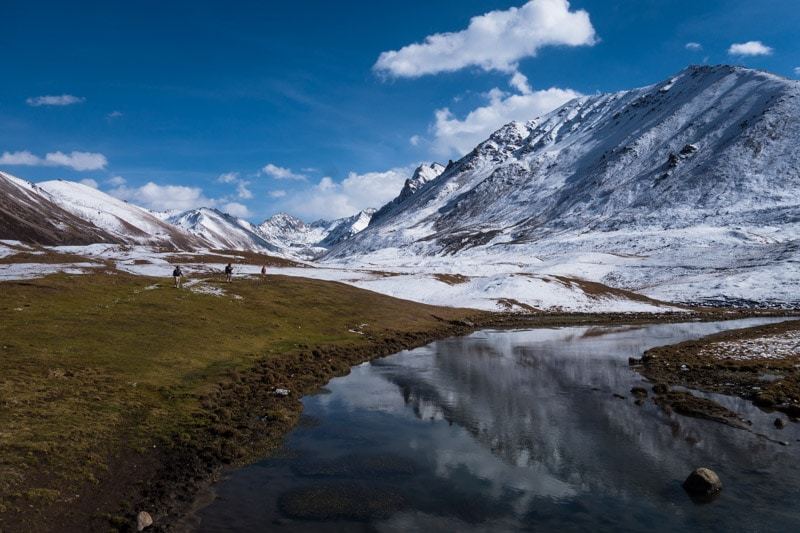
x=91 y=363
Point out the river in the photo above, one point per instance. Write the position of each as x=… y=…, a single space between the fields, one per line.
x=510 y=431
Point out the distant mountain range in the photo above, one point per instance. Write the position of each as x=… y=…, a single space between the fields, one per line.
x=65 y=212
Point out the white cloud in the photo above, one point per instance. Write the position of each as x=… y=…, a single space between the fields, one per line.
x=164 y=197
x=797 y=70
x=750 y=48
x=414 y=140
x=228 y=177
x=74 y=160
x=330 y=199
x=236 y=209
x=497 y=40
x=454 y=135
x=23 y=157
x=280 y=193
x=242 y=191
x=61 y=100
x=281 y=173
x=694 y=47
x=114 y=114
x=77 y=160
x=116 y=181
x=90 y=182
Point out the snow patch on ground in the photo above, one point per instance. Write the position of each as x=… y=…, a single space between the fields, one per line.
x=778 y=346
x=22 y=271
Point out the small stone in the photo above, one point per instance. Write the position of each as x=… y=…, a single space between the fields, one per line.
x=703 y=483
x=780 y=423
x=281 y=392
x=660 y=388
x=632 y=361
x=143 y=520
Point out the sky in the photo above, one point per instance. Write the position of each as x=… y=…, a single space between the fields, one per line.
x=321 y=108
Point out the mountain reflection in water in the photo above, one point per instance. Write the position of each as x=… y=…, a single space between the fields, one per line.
x=513 y=430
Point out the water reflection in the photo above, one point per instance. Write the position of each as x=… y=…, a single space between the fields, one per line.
x=513 y=431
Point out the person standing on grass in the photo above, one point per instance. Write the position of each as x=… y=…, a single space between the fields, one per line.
x=263 y=273
x=178 y=275
x=228 y=272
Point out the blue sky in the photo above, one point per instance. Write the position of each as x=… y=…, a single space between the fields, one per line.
x=257 y=107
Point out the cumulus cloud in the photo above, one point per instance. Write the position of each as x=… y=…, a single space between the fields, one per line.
x=51 y=100
x=330 y=199
x=116 y=181
x=459 y=136
x=90 y=182
x=163 y=197
x=750 y=48
x=694 y=47
x=75 y=160
x=414 y=140
x=228 y=177
x=236 y=209
x=497 y=40
x=114 y=114
x=281 y=173
x=797 y=70
x=242 y=191
x=23 y=157
x=279 y=193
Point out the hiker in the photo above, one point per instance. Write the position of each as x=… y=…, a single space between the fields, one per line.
x=263 y=272
x=228 y=273
x=178 y=275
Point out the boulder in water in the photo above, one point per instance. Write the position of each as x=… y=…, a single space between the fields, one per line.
x=703 y=484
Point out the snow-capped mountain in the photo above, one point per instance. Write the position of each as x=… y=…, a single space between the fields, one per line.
x=29 y=213
x=707 y=159
x=127 y=222
x=297 y=238
x=711 y=144
x=220 y=230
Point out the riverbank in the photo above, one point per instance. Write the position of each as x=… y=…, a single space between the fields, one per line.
x=760 y=364
x=120 y=393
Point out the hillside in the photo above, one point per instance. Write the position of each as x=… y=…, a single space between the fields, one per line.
x=127 y=222
x=28 y=213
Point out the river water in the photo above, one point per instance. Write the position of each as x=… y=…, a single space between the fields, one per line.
x=509 y=431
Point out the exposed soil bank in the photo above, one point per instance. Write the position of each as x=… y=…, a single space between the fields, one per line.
x=754 y=363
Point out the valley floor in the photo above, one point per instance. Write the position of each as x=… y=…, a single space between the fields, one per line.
x=119 y=392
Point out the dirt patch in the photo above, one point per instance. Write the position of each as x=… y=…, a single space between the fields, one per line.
x=685 y=403
x=451 y=279
x=598 y=290
x=769 y=382
x=43 y=257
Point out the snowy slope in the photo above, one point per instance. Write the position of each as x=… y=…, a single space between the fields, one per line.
x=711 y=143
x=697 y=174
x=128 y=222
x=29 y=213
x=220 y=230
